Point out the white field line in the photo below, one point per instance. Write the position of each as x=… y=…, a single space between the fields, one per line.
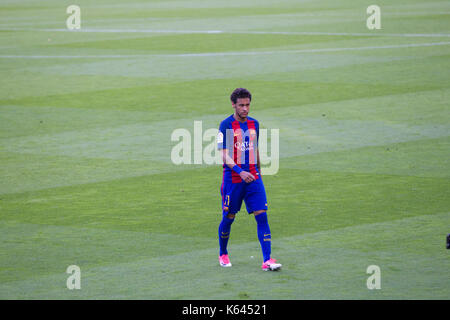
x=216 y=54
x=363 y=34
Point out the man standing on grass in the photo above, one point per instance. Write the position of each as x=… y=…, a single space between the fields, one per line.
x=238 y=140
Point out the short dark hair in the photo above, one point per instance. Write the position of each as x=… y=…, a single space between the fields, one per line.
x=240 y=93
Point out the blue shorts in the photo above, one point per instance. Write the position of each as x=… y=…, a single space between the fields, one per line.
x=253 y=194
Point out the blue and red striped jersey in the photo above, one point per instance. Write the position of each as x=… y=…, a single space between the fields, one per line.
x=241 y=141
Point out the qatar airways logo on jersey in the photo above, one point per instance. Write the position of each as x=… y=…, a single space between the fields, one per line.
x=244 y=146
x=199 y=146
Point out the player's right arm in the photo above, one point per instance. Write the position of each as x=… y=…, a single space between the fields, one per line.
x=245 y=175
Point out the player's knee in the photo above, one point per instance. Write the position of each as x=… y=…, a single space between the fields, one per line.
x=230 y=216
x=258 y=212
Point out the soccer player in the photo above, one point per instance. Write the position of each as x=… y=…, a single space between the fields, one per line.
x=238 y=139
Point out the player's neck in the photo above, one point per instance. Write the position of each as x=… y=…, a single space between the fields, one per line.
x=238 y=118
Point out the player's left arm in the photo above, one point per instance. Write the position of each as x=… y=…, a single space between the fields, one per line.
x=258 y=163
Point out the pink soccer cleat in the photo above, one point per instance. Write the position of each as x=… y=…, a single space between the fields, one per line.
x=224 y=261
x=271 y=265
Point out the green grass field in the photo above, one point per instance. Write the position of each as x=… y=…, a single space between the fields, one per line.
x=86 y=176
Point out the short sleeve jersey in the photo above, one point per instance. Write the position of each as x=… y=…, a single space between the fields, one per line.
x=241 y=141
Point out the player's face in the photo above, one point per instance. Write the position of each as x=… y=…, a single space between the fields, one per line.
x=242 y=107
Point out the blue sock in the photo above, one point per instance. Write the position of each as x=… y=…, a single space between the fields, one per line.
x=264 y=235
x=224 y=233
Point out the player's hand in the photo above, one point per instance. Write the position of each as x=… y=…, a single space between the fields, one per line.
x=247 y=176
